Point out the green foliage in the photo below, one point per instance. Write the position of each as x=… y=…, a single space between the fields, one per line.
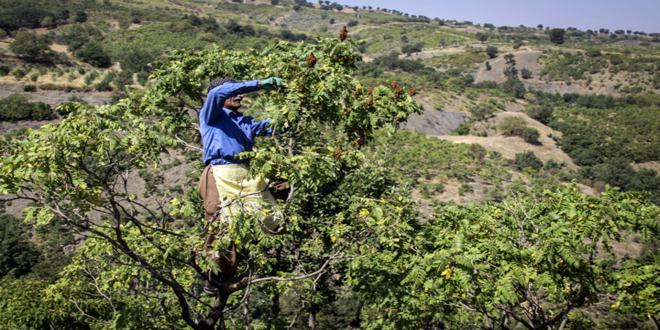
x=424 y=162
x=484 y=110
x=483 y=265
x=491 y=51
x=92 y=52
x=412 y=48
x=557 y=36
x=525 y=73
x=528 y=159
x=23 y=305
x=17 y=253
x=594 y=135
x=516 y=126
x=515 y=87
x=18 y=107
x=76 y=35
x=31 y=47
x=340 y=205
x=542 y=113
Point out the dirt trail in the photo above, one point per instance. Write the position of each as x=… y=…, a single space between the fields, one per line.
x=55 y=97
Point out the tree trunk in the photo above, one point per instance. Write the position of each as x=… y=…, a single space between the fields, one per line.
x=215 y=318
x=311 y=321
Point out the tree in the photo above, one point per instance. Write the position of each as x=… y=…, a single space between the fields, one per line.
x=148 y=258
x=525 y=73
x=31 y=47
x=491 y=51
x=408 y=49
x=528 y=159
x=557 y=36
x=93 y=53
x=482 y=37
x=17 y=253
x=527 y=262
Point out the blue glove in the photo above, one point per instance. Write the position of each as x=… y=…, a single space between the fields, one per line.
x=271 y=82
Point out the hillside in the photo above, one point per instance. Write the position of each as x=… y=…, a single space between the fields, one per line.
x=528 y=176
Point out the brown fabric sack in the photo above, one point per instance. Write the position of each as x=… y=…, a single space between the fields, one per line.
x=208 y=191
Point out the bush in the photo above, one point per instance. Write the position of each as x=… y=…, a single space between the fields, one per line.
x=462 y=129
x=76 y=35
x=515 y=87
x=483 y=111
x=4 y=70
x=516 y=126
x=18 y=107
x=29 y=88
x=491 y=51
x=542 y=113
x=92 y=52
x=352 y=23
x=412 y=48
x=104 y=84
x=557 y=36
x=31 y=47
x=528 y=160
x=525 y=73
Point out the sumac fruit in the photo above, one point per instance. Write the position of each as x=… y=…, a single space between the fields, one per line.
x=343 y=33
x=311 y=60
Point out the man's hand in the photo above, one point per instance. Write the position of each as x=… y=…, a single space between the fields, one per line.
x=271 y=82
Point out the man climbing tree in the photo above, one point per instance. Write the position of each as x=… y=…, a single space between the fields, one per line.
x=225 y=186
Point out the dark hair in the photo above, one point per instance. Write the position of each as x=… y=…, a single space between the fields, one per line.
x=217 y=82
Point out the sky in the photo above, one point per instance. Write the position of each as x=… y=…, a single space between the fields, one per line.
x=636 y=15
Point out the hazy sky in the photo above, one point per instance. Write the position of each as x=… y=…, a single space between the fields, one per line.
x=636 y=15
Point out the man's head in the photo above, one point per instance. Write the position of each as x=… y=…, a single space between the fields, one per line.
x=232 y=103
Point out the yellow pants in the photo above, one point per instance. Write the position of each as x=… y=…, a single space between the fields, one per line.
x=239 y=194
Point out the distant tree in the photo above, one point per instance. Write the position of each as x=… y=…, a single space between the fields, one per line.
x=489 y=26
x=528 y=160
x=482 y=37
x=515 y=87
x=491 y=51
x=525 y=73
x=31 y=47
x=332 y=21
x=93 y=53
x=540 y=26
x=510 y=59
x=557 y=36
x=517 y=44
x=619 y=31
x=488 y=67
x=542 y=113
x=17 y=253
x=80 y=16
x=412 y=48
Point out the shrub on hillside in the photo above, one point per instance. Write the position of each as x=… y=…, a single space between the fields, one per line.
x=491 y=51
x=412 y=48
x=31 y=47
x=92 y=52
x=525 y=73
x=482 y=111
x=542 y=113
x=528 y=159
x=516 y=126
x=76 y=35
x=4 y=70
x=18 y=107
x=515 y=87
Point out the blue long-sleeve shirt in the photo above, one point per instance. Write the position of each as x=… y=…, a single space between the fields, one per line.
x=226 y=133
